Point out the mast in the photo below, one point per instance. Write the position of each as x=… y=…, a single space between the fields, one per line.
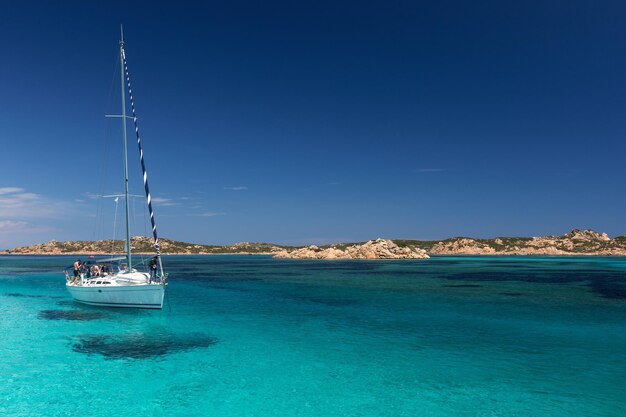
x=128 y=258
x=157 y=248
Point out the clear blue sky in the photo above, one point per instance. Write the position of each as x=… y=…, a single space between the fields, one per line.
x=316 y=122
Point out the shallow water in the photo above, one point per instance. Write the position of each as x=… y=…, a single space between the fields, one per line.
x=255 y=336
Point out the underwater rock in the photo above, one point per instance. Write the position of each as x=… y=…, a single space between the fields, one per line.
x=19 y=295
x=77 y=315
x=139 y=345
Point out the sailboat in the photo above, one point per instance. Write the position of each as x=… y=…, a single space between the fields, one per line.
x=113 y=283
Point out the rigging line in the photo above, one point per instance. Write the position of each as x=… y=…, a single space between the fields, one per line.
x=132 y=223
x=145 y=223
x=113 y=81
x=103 y=158
x=114 y=226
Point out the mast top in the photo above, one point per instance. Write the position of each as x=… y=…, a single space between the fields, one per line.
x=121 y=35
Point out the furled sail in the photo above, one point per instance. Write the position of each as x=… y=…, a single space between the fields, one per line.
x=143 y=165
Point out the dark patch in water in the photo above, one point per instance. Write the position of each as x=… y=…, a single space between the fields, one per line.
x=508 y=275
x=15 y=294
x=609 y=286
x=139 y=345
x=463 y=286
x=332 y=302
x=76 y=315
x=512 y=294
x=605 y=283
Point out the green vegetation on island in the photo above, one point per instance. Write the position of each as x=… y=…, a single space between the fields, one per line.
x=577 y=242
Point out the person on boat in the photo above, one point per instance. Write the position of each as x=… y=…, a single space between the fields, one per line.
x=153 y=267
x=83 y=270
x=76 y=270
x=95 y=270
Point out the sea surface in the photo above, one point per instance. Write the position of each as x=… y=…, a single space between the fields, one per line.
x=256 y=336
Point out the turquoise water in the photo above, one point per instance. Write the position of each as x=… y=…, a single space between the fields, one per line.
x=255 y=336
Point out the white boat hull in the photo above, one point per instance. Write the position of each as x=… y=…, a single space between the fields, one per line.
x=137 y=296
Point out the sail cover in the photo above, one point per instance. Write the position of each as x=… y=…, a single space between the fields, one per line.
x=143 y=165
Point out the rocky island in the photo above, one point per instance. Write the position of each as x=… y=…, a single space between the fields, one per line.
x=373 y=249
x=575 y=243
x=140 y=245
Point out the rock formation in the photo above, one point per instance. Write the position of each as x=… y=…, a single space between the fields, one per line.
x=373 y=249
x=576 y=242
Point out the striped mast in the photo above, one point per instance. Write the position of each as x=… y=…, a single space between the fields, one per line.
x=143 y=165
x=127 y=246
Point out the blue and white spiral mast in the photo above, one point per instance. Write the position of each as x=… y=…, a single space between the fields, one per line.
x=141 y=158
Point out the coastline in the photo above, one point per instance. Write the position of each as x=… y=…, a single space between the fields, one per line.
x=431 y=255
x=5 y=253
x=585 y=243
